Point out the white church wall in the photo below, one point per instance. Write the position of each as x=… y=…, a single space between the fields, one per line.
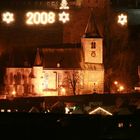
x=93 y=50
x=93 y=81
x=57 y=82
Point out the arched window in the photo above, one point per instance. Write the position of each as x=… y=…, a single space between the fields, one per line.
x=15 y=79
x=11 y=78
x=93 y=45
x=18 y=78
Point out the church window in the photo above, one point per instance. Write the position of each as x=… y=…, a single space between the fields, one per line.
x=45 y=83
x=11 y=78
x=93 y=45
x=18 y=78
x=15 y=78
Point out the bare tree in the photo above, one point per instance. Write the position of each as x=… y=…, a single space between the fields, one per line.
x=72 y=80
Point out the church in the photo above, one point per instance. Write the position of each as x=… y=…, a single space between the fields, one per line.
x=62 y=71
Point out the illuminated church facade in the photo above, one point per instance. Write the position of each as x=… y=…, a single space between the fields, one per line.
x=63 y=71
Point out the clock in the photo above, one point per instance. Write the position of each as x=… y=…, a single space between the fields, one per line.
x=93 y=53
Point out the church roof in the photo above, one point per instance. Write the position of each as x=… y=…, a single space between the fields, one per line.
x=91 y=30
x=62 y=57
x=38 y=60
x=67 y=56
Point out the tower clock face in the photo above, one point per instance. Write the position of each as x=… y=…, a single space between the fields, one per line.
x=93 y=53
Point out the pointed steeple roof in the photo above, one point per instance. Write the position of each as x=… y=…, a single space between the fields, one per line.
x=38 y=61
x=91 y=30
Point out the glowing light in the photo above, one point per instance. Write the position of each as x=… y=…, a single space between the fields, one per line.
x=116 y=82
x=74 y=107
x=64 y=17
x=14 y=93
x=2 y=110
x=100 y=109
x=9 y=110
x=8 y=17
x=64 y=5
x=120 y=125
x=37 y=18
x=130 y=125
x=63 y=91
x=58 y=65
x=121 y=88
x=67 y=110
x=122 y=19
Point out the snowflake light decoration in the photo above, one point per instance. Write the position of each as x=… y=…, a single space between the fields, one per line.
x=64 y=17
x=122 y=19
x=64 y=5
x=8 y=17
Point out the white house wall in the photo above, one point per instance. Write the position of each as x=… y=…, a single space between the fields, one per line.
x=98 y=50
x=13 y=85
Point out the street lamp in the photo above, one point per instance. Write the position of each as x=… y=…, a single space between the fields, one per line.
x=121 y=88
x=116 y=82
x=13 y=93
x=118 y=86
x=62 y=91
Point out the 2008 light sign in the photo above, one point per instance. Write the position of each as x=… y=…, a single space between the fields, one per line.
x=40 y=18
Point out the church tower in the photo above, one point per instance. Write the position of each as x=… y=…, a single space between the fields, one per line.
x=38 y=74
x=92 y=42
x=92 y=45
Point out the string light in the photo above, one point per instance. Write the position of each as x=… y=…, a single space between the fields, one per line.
x=100 y=109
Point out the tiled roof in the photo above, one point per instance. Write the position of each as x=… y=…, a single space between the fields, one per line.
x=65 y=57
x=92 y=30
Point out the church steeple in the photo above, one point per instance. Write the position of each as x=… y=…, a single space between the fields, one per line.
x=91 y=30
x=92 y=42
x=38 y=60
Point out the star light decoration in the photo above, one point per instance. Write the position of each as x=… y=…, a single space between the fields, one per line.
x=122 y=19
x=8 y=17
x=64 y=16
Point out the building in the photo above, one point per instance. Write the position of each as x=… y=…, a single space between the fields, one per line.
x=71 y=70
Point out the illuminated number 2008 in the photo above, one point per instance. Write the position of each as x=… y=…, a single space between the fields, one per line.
x=39 y=18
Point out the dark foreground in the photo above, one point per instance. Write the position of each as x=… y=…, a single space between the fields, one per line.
x=66 y=126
